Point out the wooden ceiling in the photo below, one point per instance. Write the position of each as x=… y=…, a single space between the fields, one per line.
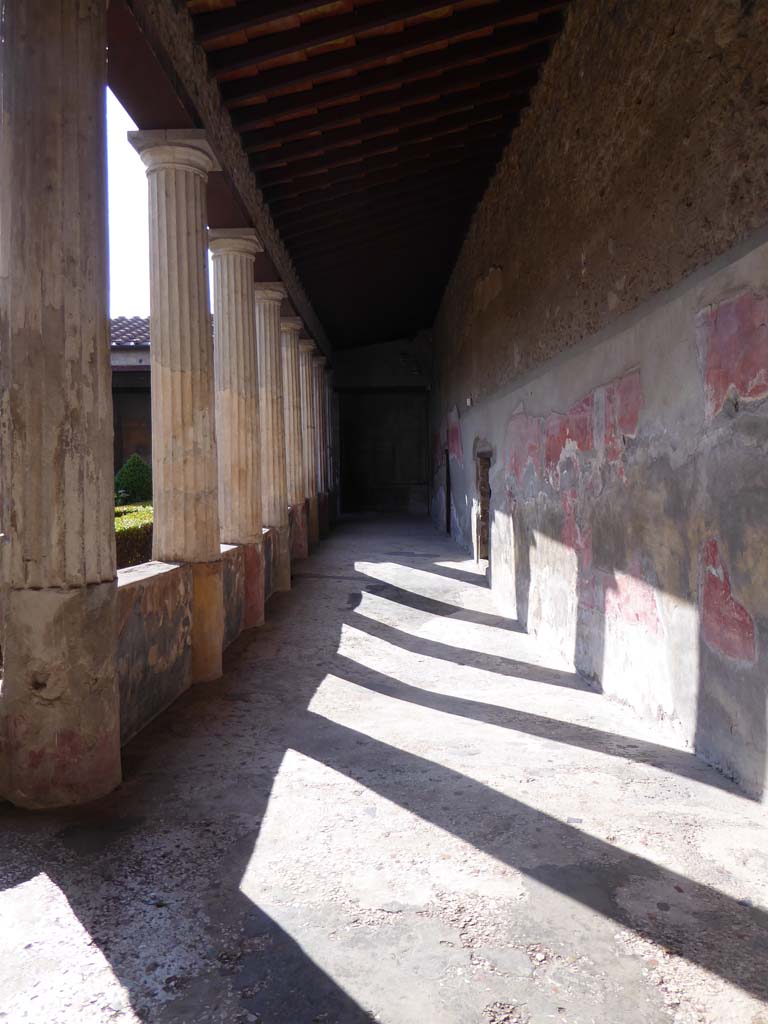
x=373 y=127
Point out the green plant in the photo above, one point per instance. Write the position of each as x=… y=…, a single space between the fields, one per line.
x=134 y=481
x=133 y=534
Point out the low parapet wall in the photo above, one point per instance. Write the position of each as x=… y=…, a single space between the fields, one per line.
x=155 y=624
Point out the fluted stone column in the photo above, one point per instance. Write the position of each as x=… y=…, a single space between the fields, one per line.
x=290 y=328
x=233 y=254
x=321 y=443
x=59 y=708
x=309 y=448
x=330 y=445
x=274 y=483
x=184 y=465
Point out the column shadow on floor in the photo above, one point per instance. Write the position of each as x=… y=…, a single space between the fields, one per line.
x=231 y=738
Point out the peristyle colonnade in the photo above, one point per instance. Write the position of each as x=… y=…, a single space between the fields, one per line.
x=240 y=415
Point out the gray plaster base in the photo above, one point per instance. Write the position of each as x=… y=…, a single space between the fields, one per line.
x=394 y=807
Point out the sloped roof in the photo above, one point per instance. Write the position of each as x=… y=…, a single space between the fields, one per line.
x=129 y=332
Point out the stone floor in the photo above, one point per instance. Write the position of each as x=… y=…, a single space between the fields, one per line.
x=394 y=807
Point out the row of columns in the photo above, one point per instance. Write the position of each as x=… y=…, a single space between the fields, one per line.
x=237 y=420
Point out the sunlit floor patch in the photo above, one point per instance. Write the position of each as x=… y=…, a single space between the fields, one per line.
x=388 y=813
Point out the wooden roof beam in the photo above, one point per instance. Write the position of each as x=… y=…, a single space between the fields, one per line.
x=530 y=42
x=210 y=25
x=418 y=95
x=370 y=157
x=386 y=47
x=428 y=183
x=359 y=221
x=320 y=31
x=434 y=113
x=426 y=168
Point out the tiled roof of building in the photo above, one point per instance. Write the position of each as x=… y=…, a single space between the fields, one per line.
x=129 y=332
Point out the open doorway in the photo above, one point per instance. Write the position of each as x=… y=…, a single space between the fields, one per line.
x=483 y=506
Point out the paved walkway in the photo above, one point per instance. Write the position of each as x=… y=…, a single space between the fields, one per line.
x=392 y=808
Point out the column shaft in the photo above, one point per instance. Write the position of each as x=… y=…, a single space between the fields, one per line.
x=307 y=385
x=184 y=464
x=237 y=388
x=274 y=484
x=294 y=454
x=233 y=254
x=59 y=710
x=290 y=328
x=321 y=443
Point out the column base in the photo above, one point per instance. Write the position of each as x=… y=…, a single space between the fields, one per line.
x=207 y=621
x=299 y=516
x=254 y=586
x=59 y=707
x=323 y=514
x=314 y=521
x=283 y=559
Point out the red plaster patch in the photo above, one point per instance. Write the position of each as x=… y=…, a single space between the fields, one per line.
x=575 y=425
x=523 y=444
x=727 y=626
x=623 y=402
x=735 y=335
x=632 y=599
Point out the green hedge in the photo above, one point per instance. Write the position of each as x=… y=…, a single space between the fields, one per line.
x=133 y=534
x=134 y=481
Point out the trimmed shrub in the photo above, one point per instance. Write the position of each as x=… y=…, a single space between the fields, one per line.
x=133 y=534
x=134 y=481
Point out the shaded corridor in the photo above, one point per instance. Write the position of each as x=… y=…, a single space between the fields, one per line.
x=394 y=807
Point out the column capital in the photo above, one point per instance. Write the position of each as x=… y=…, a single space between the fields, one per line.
x=291 y=323
x=306 y=345
x=177 y=148
x=270 y=291
x=319 y=360
x=234 y=240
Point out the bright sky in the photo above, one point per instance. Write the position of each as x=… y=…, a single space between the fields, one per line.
x=128 y=219
x=128 y=226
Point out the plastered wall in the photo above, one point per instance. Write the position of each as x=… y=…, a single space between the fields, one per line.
x=607 y=320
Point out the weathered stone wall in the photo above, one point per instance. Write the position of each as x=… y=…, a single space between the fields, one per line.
x=644 y=154
x=154 y=651
x=626 y=404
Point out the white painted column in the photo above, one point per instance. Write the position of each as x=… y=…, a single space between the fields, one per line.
x=59 y=713
x=233 y=254
x=290 y=328
x=274 y=484
x=184 y=464
x=318 y=366
x=307 y=382
x=329 y=434
x=322 y=462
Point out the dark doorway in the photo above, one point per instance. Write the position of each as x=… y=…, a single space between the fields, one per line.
x=384 y=446
x=132 y=415
x=484 y=503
